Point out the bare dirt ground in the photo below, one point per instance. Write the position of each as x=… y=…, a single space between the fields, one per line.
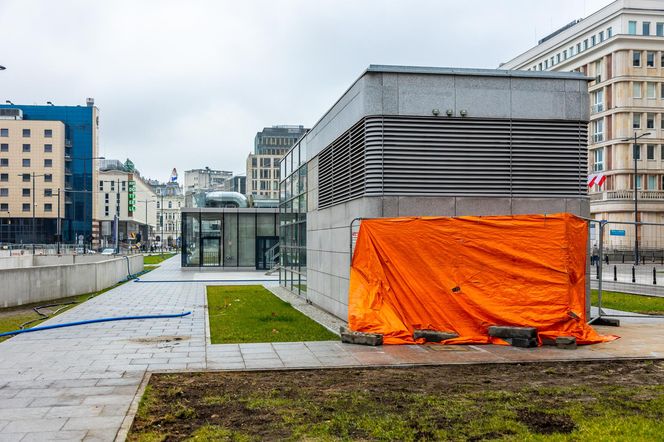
x=460 y=402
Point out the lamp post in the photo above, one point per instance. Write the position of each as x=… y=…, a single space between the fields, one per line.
x=147 y=225
x=635 y=146
x=85 y=188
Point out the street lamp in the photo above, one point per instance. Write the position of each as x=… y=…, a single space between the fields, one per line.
x=635 y=146
x=147 y=225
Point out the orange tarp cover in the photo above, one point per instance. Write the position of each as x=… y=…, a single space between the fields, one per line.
x=468 y=273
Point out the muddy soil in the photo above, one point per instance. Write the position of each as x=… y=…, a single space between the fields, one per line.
x=222 y=398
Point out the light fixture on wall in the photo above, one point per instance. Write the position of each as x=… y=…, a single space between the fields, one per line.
x=463 y=112
x=436 y=112
x=449 y=112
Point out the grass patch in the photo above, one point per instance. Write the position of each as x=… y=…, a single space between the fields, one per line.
x=153 y=260
x=250 y=313
x=647 y=305
x=606 y=401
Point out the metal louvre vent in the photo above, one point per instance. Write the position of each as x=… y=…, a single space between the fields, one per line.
x=341 y=168
x=455 y=156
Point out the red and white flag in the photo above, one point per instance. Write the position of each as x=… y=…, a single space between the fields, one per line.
x=596 y=179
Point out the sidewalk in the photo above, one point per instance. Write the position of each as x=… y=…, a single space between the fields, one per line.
x=78 y=383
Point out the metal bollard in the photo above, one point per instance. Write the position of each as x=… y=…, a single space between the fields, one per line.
x=606 y=258
x=654 y=276
x=623 y=258
x=643 y=259
x=633 y=274
x=615 y=273
x=597 y=271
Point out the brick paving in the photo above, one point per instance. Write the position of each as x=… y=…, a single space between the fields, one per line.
x=78 y=383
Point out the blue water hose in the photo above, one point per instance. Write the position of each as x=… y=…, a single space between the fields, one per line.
x=203 y=280
x=91 y=321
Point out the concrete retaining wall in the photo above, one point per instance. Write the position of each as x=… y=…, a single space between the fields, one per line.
x=20 y=286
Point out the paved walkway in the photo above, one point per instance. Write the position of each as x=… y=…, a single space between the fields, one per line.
x=78 y=383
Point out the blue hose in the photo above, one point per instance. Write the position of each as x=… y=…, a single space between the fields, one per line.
x=91 y=321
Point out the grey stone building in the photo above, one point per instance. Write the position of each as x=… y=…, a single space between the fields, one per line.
x=419 y=141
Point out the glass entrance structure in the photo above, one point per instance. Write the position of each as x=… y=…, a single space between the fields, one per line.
x=229 y=237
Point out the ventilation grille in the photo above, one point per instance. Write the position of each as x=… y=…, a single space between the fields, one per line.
x=341 y=173
x=396 y=155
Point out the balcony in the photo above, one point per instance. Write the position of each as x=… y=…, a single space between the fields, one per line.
x=627 y=195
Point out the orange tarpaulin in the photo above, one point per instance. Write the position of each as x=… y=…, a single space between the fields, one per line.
x=468 y=273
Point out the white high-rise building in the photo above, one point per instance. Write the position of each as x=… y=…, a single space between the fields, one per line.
x=621 y=47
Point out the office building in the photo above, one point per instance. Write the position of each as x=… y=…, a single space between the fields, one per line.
x=621 y=47
x=69 y=159
x=125 y=198
x=270 y=145
x=205 y=179
x=237 y=183
x=421 y=141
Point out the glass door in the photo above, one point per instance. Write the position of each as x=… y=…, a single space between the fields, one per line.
x=211 y=252
x=266 y=251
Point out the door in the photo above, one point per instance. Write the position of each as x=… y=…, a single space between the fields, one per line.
x=267 y=251
x=211 y=252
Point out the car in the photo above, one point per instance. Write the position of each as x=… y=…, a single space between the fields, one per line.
x=108 y=252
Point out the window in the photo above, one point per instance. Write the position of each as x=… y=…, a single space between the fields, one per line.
x=4 y=132
x=26 y=207
x=26 y=133
x=48 y=148
x=652 y=182
x=650 y=59
x=651 y=90
x=609 y=32
x=592 y=41
x=26 y=162
x=601 y=36
x=585 y=44
x=124 y=186
x=636 y=90
x=48 y=207
x=106 y=213
x=48 y=178
x=661 y=121
x=646 y=28
x=25 y=177
x=598 y=156
x=660 y=29
x=598 y=70
x=565 y=54
x=4 y=177
x=636 y=152
x=578 y=48
x=112 y=186
x=48 y=133
x=650 y=121
x=158 y=205
x=631 y=28
x=636 y=59
x=636 y=121
x=598 y=130
x=557 y=58
x=4 y=207
x=4 y=191
x=26 y=192
x=650 y=151
x=4 y=147
x=48 y=162
x=170 y=204
x=48 y=192
x=101 y=186
x=661 y=152
x=4 y=162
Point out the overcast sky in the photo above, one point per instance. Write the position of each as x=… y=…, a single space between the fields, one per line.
x=188 y=84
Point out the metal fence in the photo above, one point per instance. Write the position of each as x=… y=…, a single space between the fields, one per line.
x=7 y=249
x=627 y=257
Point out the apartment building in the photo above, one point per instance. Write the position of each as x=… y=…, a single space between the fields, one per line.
x=621 y=47
x=170 y=201
x=32 y=178
x=270 y=145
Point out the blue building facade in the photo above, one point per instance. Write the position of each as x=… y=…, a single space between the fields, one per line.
x=81 y=146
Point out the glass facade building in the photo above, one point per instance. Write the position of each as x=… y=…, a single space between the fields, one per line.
x=229 y=237
x=81 y=123
x=293 y=220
